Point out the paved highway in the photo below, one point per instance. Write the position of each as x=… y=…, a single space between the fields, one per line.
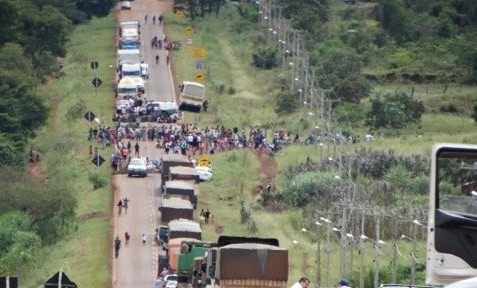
x=136 y=265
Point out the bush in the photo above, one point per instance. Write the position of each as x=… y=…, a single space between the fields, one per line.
x=286 y=103
x=265 y=58
x=98 y=180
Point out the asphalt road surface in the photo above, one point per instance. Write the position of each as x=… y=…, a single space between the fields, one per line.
x=136 y=265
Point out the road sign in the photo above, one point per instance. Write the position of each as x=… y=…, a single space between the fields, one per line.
x=189 y=41
x=189 y=30
x=199 y=65
x=94 y=65
x=199 y=76
x=180 y=14
x=197 y=52
x=204 y=160
x=97 y=82
x=60 y=280
x=89 y=116
x=8 y=282
x=98 y=160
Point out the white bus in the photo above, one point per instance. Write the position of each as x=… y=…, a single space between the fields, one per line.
x=452 y=223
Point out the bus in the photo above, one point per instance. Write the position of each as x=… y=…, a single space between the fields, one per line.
x=452 y=222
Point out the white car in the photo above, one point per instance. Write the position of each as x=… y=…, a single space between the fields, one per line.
x=205 y=173
x=170 y=281
x=125 y=5
x=171 y=284
x=467 y=283
x=138 y=167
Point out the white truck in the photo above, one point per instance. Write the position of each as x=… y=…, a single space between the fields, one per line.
x=129 y=56
x=452 y=223
x=127 y=88
x=192 y=96
x=124 y=25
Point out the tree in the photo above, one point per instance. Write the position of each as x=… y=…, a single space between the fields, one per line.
x=95 y=7
x=265 y=58
x=306 y=15
x=395 y=110
x=44 y=32
x=18 y=244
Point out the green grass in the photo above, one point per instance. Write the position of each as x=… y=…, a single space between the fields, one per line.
x=84 y=254
x=228 y=65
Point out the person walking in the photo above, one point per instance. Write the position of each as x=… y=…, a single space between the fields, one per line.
x=303 y=282
x=125 y=204
x=120 y=207
x=145 y=19
x=160 y=19
x=153 y=20
x=126 y=239
x=143 y=239
x=343 y=283
x=136 y=149
x=157 y=59
x=207 y=216
x=117 y=246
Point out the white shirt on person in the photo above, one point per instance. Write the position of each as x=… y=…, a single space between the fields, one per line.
x=296 y=285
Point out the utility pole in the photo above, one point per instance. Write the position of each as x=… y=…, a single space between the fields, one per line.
x=376 y=266
x=394 y=259
x=342 y=244
x=361 y=250
x=318 y=253
x=414 y=259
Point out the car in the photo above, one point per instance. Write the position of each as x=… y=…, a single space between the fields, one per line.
x=170 y=281
x=162 y=236
x=171 y=284
x=467 y=283
x=205 y=173
x=138 y=167
x=125 y=5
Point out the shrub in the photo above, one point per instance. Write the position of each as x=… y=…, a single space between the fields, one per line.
x=265 y=58
x=98 y=180
x=286 y=103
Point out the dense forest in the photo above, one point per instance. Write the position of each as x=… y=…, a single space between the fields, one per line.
x=33 y=37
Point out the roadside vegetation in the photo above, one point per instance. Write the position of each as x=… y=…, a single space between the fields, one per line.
x=408 y=90
x=405 y=90
x=54 y=201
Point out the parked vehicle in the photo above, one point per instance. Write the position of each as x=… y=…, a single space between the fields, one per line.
x=192 y=96
x=205 y=173
x=127 y=88
x=125 y=5
x=176 y=207
x=138 y=167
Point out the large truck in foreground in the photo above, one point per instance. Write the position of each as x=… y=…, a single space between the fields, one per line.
x=452 y=222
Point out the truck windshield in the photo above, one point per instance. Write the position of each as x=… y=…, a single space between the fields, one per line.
x=193 y=90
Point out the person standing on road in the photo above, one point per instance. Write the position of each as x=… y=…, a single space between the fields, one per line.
x=302 y=283
x=343 y=283
x=145 y=19
x=136 y=149
x=126 y=239
x=125 y=204
x=120 y=207
x=153 y=20
x=117 y=246
x=207 y=216
x=160 y=19
x=143 y=239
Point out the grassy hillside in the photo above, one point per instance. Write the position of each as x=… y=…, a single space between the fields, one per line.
x=250 y=104
x=85 y=252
